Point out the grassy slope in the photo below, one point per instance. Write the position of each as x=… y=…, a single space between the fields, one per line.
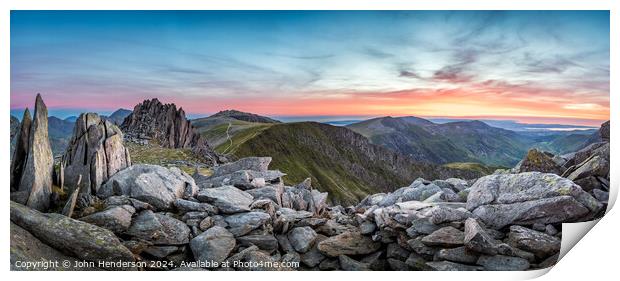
x=154 y=154
x=301 y=161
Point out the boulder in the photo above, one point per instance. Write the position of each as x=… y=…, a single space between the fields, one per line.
x=302 y=238
x=228 y=199
x=459 y=255
x=242 y=223
x=33 y=163
x=528 y=198
x=348 y=243
x=159 y=229
x=156 y=185
x=442 y=214
x=82 y=240
x=94 y=154
x=259 y=164
x=265 y=242
x=445 y=237
x=213 y=245
x=349 y=264
x=185 y=206
x=116 y=219
x=541 y=244
x=25 y=248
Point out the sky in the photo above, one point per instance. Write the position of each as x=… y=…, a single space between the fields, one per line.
x=528 y=66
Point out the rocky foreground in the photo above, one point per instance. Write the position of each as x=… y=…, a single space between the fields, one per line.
x=245 y=215
x=118 y=216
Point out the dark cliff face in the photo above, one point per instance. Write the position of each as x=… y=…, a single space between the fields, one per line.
x=338 y=160
x=167 y=125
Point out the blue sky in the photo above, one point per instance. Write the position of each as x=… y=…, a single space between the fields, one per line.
x=551 y=65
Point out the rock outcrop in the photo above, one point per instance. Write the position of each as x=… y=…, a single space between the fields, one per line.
x=164 y=124
x=32 y=164
x=540 y=161
x=14 y=129
x=95 y=153
x=155 y=185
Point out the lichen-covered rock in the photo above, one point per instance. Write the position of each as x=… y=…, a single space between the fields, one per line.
x=82 y=240
x=447 y=237
x=302 y=238
x=159 y=229
x=528 y=198
x=95 y=153
x=539 y=161
x=156 y=185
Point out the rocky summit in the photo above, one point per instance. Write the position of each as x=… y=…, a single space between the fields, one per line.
x=164 y=124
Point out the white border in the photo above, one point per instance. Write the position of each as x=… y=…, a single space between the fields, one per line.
x=581 y=261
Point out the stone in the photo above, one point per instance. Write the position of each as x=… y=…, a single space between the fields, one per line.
x=82 y=240
x=478 y=240
x=349 y=264
x=443 y=214
x=242 y=223
x=263 y=241
x=451 y=266
x=397 y=252
x=259 y=164
x=67 y=210
x=213 y=245
x=348 y=243
x=528 y=198
x=228 y=199
x=421 y=226
x=420 y=193
x=25 y=248
x=420 y=248
x=159 y=229
x=445 y=237
x=593 y=166
x=398 y=265
x=503 y=263
x=330 y=264
x=416 y=262
x=541 y=244
x=116 y=219
x=459 y=255
x=367 y=227
x=600 y=195
x=302 y=238
x=274 y=193
x=156 y=185
x=126 y=200
x=185 y=206
x=94 y=154
x=548 y=210
x=206 y=223
x=33 y=164
x=20 y=153
x=160 y=252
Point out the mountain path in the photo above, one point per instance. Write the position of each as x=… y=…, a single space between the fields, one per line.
x=229 y=138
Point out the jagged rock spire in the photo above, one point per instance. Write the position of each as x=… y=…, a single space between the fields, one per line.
x=166 y=125
x=33 y=162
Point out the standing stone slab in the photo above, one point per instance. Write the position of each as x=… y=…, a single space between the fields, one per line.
x=35 y=179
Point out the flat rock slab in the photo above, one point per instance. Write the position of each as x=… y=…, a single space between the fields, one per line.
x=348 y=243
x=228 y=199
